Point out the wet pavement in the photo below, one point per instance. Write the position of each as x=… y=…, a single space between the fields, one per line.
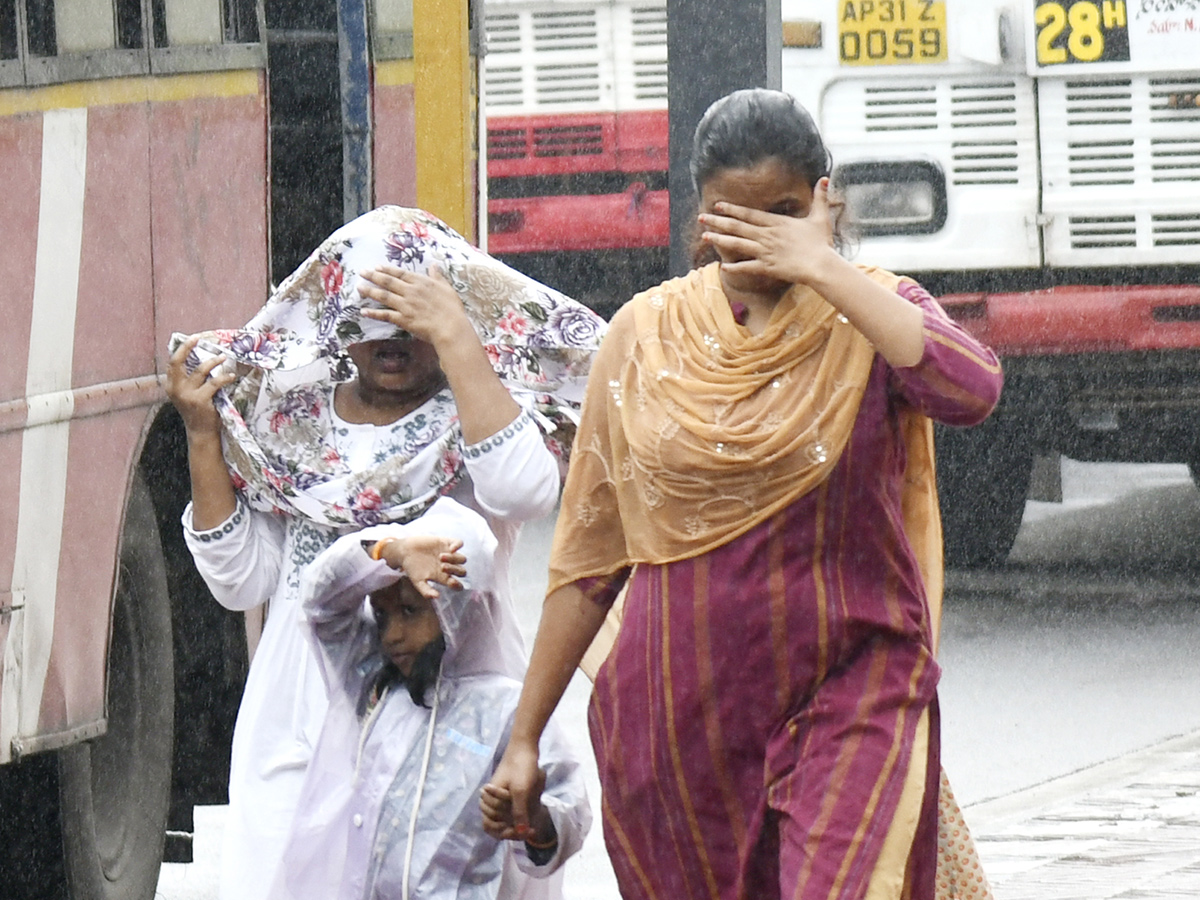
x=1128 y=828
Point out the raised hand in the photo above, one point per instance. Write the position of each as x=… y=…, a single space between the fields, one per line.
x=787 y=248
x=192 y=393
x=426 y=560
x=426 y=306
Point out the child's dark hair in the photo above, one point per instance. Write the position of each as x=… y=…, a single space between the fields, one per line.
x=424 y=672
x=747 y=127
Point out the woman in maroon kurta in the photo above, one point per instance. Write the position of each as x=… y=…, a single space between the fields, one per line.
x=754 y=467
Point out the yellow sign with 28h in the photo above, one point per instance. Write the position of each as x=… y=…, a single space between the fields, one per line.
x=891 y=32
x=1081 y=31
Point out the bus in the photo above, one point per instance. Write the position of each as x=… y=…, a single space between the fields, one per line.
x=1035 y=164
x=164 y=163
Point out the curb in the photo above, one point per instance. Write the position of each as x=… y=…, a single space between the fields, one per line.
x=989 y=815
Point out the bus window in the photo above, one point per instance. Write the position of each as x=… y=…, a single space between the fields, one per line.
x=193 y=22
x=39 y=23
x=393 y=29
x=8 y=31
x=186 y=33
x=241 y=22
x=82 y=26
x=129 y=25
x=73 y=40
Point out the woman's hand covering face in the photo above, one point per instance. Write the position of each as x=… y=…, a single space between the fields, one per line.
x=426 y=306
x=782 y=246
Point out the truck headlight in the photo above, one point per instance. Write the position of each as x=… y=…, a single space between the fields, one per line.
x=893 y=197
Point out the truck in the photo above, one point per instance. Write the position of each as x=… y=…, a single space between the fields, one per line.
x=1035 y=165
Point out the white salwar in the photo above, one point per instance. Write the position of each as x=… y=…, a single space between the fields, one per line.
x=256 y=557
x=387 y=802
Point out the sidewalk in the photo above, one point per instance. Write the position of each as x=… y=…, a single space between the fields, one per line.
x=1128 y=828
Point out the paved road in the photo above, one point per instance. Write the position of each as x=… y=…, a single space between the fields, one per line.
x=1060 y=669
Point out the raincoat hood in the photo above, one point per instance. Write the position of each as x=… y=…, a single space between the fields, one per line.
x=473 y=618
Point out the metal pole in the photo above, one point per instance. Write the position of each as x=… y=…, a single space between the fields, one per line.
x=713 y=47
x=354 y=66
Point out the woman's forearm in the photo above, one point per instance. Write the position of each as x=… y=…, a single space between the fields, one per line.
x=569 y=623
x=484 y=404
x=213 y=497
x=894 y=326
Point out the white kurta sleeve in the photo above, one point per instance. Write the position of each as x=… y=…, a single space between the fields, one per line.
x=515 y=476
x=565 y=798
x=241 y=559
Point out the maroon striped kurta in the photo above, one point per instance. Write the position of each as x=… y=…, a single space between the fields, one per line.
x=755 y=720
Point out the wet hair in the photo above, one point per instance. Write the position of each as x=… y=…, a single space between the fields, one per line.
x=424 y=673
x=748 y=127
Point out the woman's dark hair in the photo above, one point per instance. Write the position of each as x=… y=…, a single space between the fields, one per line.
x=746 y=127
x=743 y=129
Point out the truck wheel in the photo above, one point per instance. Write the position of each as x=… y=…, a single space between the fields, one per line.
x=983 y=478
x=114 y=791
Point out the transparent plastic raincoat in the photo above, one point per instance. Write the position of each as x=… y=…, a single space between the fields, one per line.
x=390 y=808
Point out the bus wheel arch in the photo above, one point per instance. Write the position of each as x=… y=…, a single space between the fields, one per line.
x=114 y=791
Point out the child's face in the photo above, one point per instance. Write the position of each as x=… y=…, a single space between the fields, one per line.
x=407 y=623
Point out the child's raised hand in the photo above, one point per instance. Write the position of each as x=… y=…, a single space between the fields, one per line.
x=426 y=560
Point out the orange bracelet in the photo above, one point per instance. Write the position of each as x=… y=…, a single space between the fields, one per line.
x=377 y=550
x=546 y=846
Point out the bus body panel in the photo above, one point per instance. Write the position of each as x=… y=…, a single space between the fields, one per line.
x=114 y=313
x=209 y=225
x=139 y=199
x=72 y=694
x=21 y=149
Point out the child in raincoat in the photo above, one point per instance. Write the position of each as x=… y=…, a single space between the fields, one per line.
x=420 y=710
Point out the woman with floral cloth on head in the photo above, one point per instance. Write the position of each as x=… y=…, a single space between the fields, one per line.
x=398 y=364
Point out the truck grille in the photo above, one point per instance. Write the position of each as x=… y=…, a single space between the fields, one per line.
x=544 y=141
x=1116 y=152
x=586 y=58
x=1176 y=230
x=1093 y=232
x=986 y=125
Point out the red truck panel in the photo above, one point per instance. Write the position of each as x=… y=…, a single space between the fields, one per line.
x=1082 y=319
x=604 y=222
x=582 y=142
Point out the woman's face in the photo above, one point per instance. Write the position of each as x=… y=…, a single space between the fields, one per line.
x=397 y=368
x=768 y=185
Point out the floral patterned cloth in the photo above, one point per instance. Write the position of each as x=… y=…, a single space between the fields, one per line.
x=279 y=428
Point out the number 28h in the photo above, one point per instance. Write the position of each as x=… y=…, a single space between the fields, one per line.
x=1084 y=24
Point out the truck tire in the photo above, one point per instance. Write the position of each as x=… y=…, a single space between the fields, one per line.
x=114 y=791
x=983 y=479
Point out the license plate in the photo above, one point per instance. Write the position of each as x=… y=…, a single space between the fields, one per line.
x=891 y=32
